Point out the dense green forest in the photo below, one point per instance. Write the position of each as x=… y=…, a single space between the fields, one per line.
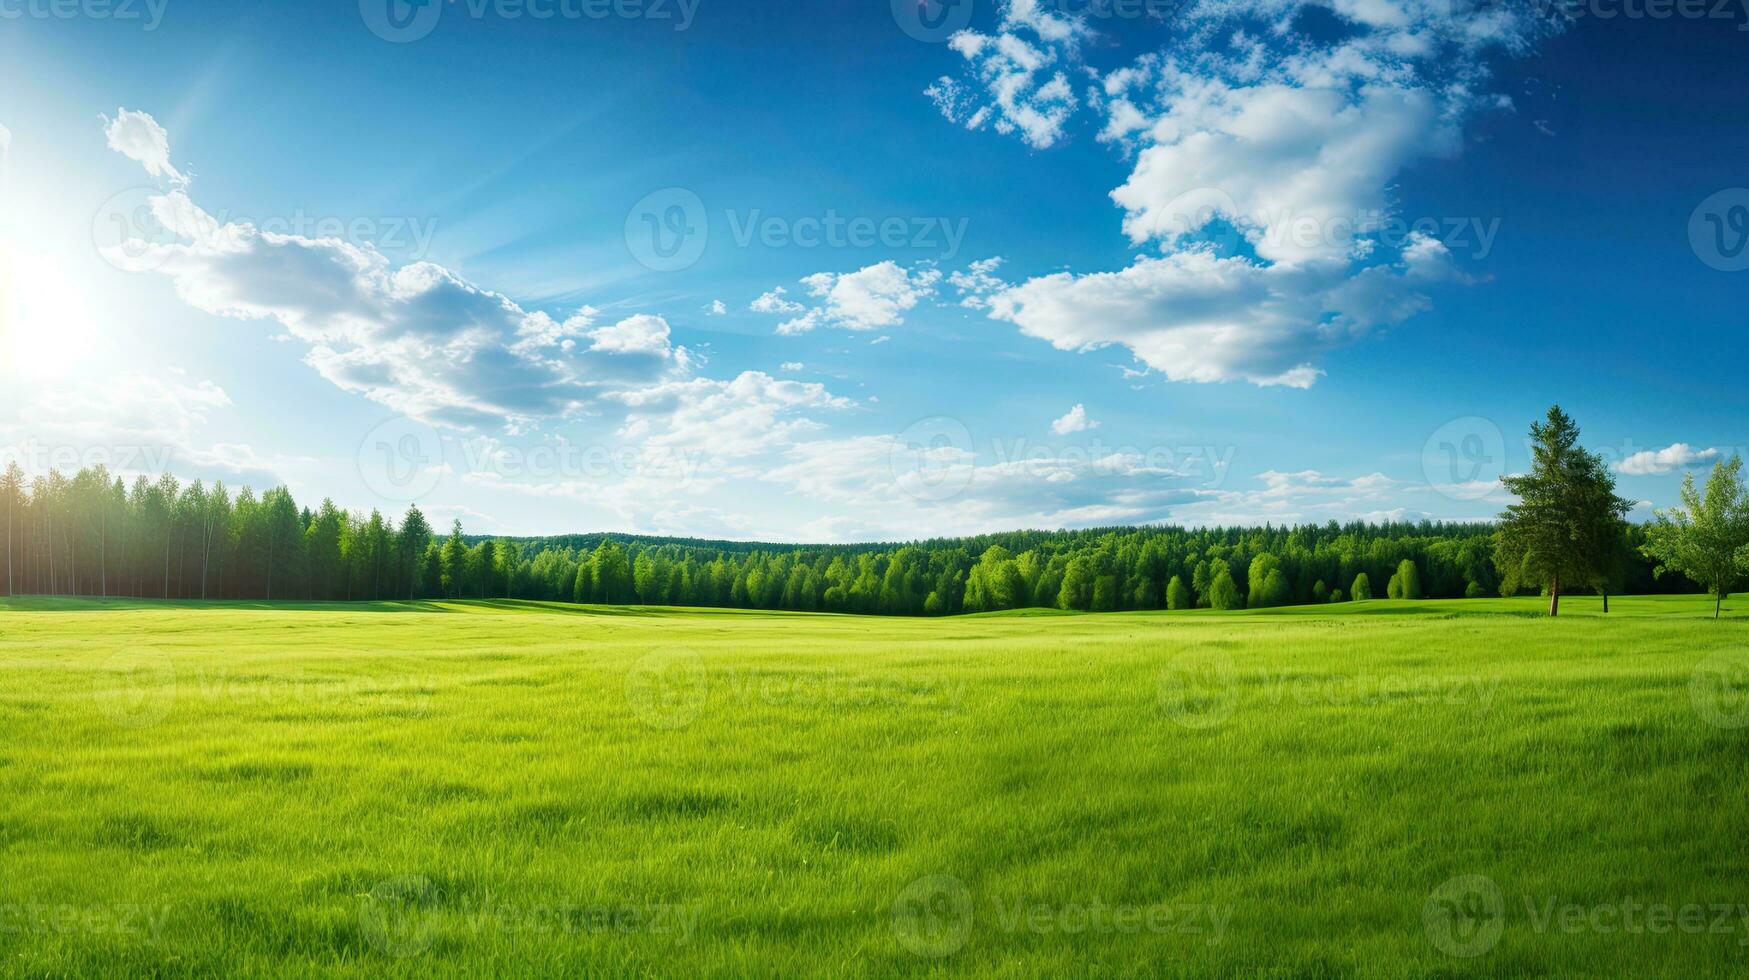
x=94 y=534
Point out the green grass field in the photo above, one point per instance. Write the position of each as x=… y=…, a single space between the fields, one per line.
x=1383 y=789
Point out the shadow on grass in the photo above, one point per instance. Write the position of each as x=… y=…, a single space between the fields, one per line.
x=68 y=604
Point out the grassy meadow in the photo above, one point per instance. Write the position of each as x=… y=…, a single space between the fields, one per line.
x=1385 y=789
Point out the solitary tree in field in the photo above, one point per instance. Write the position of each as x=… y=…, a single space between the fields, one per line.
x=1706 y=539
x=1362 y=589
x=1566 y=512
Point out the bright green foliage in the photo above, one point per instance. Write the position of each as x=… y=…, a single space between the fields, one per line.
x=1362 y=588
x=1707 y=538
x=1567 y=527
x=1320 y=593
x=1223 y=592
x=95 y=535
x=1405 y=583
x=1077 y=588
x=1337 y=596
x=996 y=582
x=1266 y=584
x=1177 y=595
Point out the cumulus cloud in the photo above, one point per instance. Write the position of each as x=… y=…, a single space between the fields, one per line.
x=1263 y=155
x=1657 y=461
x=137 y=136
x=870 y=298
x=1299 y=171
x=1195 y=316
x=977 y=282
x=1074 y=420
x=1018 y=82
x=736 y=418
x=419 y=338
x=1018 y=90
x=773 y=302
x=716 y=307
x=790 y=366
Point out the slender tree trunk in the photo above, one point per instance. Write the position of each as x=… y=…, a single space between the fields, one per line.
x=1606 y=602
x=1555 y=597
x=1718 y=602
x=271 y=541
x=103 y=551
x=206 y=551
x=166 y=562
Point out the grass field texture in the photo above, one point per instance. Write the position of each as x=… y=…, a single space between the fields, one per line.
x=1382 y=789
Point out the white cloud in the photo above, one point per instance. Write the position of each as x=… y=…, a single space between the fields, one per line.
x=418 y=339
x=1245 y=124
x=773 y=302
x=716 y=308
x=740 y=417
x=137 y=136
x=133 y=424
x=1300 y=171
x=640 y=334
x=870 y=298
x=977 y=281
x=1195 y=316
x=1021 y=93
x=790 y=366
x=1074 y=420
x=1653 y=462
x=901 y=489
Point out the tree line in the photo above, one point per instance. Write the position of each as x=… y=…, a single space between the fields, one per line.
x=94 y=534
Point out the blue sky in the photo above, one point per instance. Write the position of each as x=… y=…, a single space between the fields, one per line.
x=1260 y=260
